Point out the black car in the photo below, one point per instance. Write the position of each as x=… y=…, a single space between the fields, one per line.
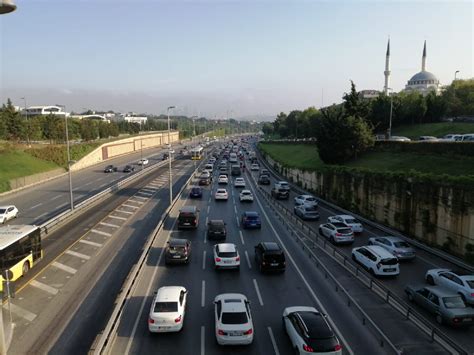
x=270 y=257
x=196 y=192
x=264 y=180
x=188 y=217
x=216 y=229
x=165 y=156
x=128 y=169
x=110 y=169
x=177 y=251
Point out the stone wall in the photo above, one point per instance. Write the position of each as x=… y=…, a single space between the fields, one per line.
x=437 y=215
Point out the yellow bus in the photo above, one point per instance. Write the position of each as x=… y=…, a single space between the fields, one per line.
x=20 y=250
x=196 y=153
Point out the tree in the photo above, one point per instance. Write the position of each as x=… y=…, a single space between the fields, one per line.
x=89 y=130
x=12 y=125
x=435 y=107
x=379 y=114
x=354 y=104
x=267 y=128
x=53 y=128
x=341 y=137
x=412 y=107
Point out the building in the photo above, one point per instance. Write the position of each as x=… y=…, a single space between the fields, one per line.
x=424 y=81
x=44 y=110
x=369 y=94
x=135 y=119
x=94 y=117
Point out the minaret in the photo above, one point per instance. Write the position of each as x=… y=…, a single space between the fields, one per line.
x=423 y=60
x=387 y=69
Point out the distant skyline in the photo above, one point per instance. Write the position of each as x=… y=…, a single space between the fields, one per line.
x=220 y=58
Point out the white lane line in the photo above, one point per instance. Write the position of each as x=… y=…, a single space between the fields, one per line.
x=204 y=260
x=147 y=189
x=117 y=217
x=235 y=209
x=144 y=193
x=64 y=267
x=207 y=220
x=135 y=201
x=44 y=287
x=88 y=183
x=23 y=313
x=127 y=212
x=237 y=220
x=208 y=208
x=248 y=259
x=272 y=338
x=140 y=197
x=41 y=215
x=90 y=243
x=103 y=184
x=203 y=333
x=55 y=197
x=109 y=225
x=79 y=255
x=37 y=205
x=241 y=237
x=203 y=293
x=258 y=292
x=131 y=206
x=101 y=233
x=205 y=237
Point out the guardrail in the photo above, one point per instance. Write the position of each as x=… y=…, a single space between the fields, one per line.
x=452 y=259
x=379 y=289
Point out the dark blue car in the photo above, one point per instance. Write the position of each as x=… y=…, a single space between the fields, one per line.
x=251 y=219
x=196 y=192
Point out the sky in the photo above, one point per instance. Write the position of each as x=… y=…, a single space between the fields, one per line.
x=223 y=58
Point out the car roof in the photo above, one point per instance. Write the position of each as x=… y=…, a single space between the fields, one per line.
x=440 y=290
x=339 y=225
x=315 y=323
x=391 y=238
x=232 y=302
x=216 y=221
x=188 y=209
x=227 y=247
x=168 y=293
x=380 y=251
x=246 y=191
x=251 y=213
x=177 y=242
x=271 y=246
x=221 y=190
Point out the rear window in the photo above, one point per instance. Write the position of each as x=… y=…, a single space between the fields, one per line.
x=228 y=254
x=401 y=244
x=234 y=318
x=177 y=248
x=165 y=307
x=470 y=283
x=391 y=261
x=274 y=256
x=345 y=230
x=351 y=221
x=454 y=302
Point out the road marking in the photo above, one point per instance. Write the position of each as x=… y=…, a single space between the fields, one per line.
x=101 y=233
x=207 y=220
x=23 y=313
x=208 y=208
x=205 y=237
x=146 y=189
x=203 y=293
x=90 y=243
x=41 y=215
x=134 y=201
x=127 y=212
x=258 y=292
x=44 y=287
x=117 y=217
x=272 y=338
x=55 y=197
x=204 y=260
x=237 y=220
x=33 y=207
x=131 y=206
x=145 y=193
x=235 y=209
x=64 y=267
x=79 y=255
x=105 y=183
x=248 y=259
x=140 y=197
x=241 y=237
x=203 y=333
x=88 y=183
x=109 y=225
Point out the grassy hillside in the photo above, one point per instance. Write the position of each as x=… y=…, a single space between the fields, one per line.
x=302 y=156
x=433 y=129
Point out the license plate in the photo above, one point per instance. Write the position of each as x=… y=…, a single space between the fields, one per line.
x=227 y=262
x=389 y=270
x=234 y=333
x=176 y=256
x=163 y=327
x=274 y=264
x=187 y=224
x=467 y=320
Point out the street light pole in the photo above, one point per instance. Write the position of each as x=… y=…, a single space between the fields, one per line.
x=455 y=74
x=71 y=199
x=27 y=123
x=169 y=154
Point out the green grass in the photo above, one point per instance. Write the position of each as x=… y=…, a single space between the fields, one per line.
x=16 y=163
x=301 y=156
x=433 y=129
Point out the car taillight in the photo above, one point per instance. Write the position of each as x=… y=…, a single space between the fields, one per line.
x=472 y=294
x=248 y=332
x=307 y=348
x=177 y=320
x=218 y=260
x=237 y=258
x=195 y=220
x=151 y=321
x=338 y=234
x=220 y=332
x=337 y=347
x=456 y=320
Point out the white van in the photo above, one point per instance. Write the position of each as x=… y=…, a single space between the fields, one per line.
x=377 y=260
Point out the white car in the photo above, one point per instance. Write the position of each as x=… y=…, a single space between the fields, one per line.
x=308 y=200
x=233 y=319
x=226 y=256
x=355 y=225
x=376 y=260
x=143 y=161
x=167 y=310
x=221 y=194
x=239 y=182
x=223 y=179
x=209 y=167
x=7 y=213
x=459 y=282
x=337 y=232
x=254 y=167
x=246 y=195
x=317 y=337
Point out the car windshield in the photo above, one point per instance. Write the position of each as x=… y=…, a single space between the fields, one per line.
x=454 y=302
x=2 y=210
x=401 y=245
x=234 y=318
x=177 y=248
x=161 y=307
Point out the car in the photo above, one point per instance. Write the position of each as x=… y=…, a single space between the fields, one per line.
x=216 y=229
x=282 y=185
x=168 y=310
x=306 y=212
x=397 y=246
x=165 y=156
x=195 y=192
x=399 y=139
x=233 y=319
x=221 y=194
x=128 y=169
x=7 y=213
x=309 y=331
x=143 y=161
x=306 y=200
x=235 y=170
x=269 y=257
x=188 y=217
x=251 y=219
x=264 y=180
x=377 y=260
x=246 y=196
x=264 y=172
x=427 y=138
x=239 y=182
x=355 y=225
x=451 y=138
x=279 y=193
x=337 y=233
x=205 y=178
x=212 y=160
x=177 y=251
x=447 y=305
x=223 y=163
x=254 y=167
x=110 y=169
x=223 y=180
x=226 y=256
x=209 y=167
x=458 y=281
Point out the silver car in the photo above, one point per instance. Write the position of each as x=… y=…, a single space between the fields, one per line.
x=306 y=212
x=457 y=281
x=397 y=246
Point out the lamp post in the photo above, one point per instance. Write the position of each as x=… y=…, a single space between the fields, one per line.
x=71 y=199
x=391 y=111
x=455 y=74
x=27 y=123
x=169 y=153
x=7 y=6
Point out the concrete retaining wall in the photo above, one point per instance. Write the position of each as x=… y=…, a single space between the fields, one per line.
x=34 y=179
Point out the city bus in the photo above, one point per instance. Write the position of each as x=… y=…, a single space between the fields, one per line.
x=196 y=153
x=20 y=250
